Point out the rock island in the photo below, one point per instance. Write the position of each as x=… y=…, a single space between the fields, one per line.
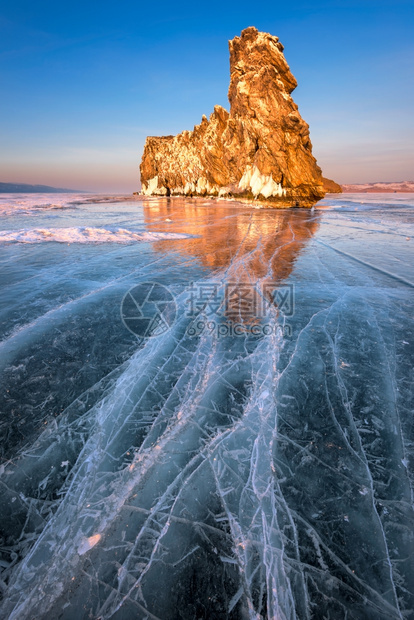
x=260 y=150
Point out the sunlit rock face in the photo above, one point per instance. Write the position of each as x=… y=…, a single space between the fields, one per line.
x=331 y=187
x=260 y=150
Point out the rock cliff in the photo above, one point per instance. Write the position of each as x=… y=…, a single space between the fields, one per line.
x=260 y=150
x=331 y=187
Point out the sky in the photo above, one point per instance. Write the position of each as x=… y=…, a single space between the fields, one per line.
x=83 y=83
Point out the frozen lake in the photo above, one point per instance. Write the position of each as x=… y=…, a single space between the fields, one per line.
x=206 y=409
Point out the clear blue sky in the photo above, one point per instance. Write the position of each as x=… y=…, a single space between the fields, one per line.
x=83 y=83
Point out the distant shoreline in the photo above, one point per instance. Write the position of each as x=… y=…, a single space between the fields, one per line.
x=378 y=191
x=379 y=187
x=24 y=188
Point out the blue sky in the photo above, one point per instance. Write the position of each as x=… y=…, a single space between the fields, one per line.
x=83 y=84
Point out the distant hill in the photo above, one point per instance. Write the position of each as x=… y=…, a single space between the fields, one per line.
x=14 y=188
x=388 y=188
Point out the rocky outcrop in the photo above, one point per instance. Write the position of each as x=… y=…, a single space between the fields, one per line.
x=331 y=187
x=260 y=150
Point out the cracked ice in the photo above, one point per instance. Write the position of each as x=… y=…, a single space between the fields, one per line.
x=203 y=476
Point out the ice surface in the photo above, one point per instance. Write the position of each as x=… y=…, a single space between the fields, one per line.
x=36 y=204
x=33 y=204
x=208 y=476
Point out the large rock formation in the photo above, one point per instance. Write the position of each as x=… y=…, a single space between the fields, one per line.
x=260 y=150
x=331 y=187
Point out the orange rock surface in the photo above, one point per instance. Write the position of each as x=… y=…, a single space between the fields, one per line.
x=260 y=150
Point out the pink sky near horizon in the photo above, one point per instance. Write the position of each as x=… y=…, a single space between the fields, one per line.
x=115 y=168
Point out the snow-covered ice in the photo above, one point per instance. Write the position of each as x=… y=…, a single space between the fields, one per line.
x=84 y=234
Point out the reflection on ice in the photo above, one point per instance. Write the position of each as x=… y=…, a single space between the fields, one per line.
x=235 y=477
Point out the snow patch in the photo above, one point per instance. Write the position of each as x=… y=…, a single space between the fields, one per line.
x=84 y=235
x=260 y=184
x=149 y=190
